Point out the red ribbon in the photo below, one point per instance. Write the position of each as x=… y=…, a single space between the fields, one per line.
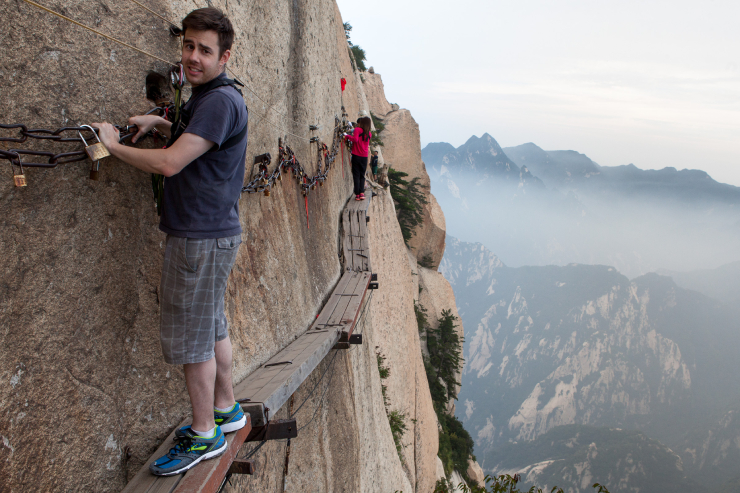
x=344 y=83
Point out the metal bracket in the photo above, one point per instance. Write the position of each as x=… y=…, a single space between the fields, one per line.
x=263 y=158
x=355 y=339
x=373 y=277
x=241 y=466
x=372 y=285
x=274 y=430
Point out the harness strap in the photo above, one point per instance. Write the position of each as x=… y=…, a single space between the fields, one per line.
x=182 y=122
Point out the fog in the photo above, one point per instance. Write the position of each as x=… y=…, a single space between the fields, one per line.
x=535 y=225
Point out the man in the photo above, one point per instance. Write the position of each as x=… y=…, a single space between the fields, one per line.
x=374 y=165
x=203 y=166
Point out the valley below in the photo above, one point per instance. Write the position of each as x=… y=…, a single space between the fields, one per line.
x=582 y=364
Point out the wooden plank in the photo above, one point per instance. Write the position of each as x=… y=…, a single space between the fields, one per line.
x=366 y=242
x=357 y=250
x=339 y=314
x=331 y=304
x=145 y=481
x=274 y=389
x=353 y=309
x=207 y=476
x=346 y=245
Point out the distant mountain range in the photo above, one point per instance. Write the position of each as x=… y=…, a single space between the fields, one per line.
x=537 y=207
x=547 y=347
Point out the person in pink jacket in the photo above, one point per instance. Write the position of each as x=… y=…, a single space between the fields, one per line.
x=360 y=139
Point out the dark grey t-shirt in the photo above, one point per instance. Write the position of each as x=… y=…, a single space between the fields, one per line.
x=202 y=200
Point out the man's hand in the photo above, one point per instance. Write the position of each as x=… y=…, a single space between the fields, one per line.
x=147 y=122
x=108 y=134
x=165 y=162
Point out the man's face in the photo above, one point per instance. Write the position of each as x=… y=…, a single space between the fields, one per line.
x=200 y=56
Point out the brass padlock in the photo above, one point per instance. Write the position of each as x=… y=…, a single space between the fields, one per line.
x=19 y=180
x=97 y=151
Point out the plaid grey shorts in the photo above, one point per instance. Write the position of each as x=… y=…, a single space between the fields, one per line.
x=194 y=277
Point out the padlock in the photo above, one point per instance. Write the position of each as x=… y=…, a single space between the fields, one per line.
x=94 y=175
x=19 y=180
x=97 y=151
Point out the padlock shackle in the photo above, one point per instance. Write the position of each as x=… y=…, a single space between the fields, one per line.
x=92 y=130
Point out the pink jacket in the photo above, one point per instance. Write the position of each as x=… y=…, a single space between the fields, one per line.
x=360 y=147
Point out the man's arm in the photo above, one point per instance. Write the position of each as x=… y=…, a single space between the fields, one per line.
x=148 y=122
x=167 y=162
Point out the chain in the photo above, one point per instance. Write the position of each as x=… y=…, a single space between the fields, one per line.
x=64 y=134
x=264 y=180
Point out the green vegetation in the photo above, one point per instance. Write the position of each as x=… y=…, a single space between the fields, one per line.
x=444 y=360
x=445 y=353
x=396 y=419
x=356 y=54
x=426 y=261
x=377 y=141
x=409 y=199
x=421 y=316
x=359 y=57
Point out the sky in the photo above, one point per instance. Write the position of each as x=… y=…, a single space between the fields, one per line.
x=652 y=83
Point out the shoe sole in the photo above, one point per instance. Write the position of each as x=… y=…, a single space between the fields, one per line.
x=206 y=456
x=234 y=425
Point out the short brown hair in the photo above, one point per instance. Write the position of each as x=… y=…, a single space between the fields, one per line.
x=211 y=19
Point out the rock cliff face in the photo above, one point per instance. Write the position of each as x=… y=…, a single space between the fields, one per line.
x=87 y=397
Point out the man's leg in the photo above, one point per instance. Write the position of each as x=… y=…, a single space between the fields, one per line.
x=200 y=379
x=224 y=391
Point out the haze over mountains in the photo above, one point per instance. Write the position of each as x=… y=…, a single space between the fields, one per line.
x=583 y=364
x=536 y=207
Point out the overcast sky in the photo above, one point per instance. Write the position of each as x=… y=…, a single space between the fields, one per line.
x=652 y=83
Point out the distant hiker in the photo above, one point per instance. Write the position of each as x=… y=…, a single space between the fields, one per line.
x=360 y=139
x=204 y=169
x=374 y=165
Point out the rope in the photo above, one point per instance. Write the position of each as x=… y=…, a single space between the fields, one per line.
x=328 y=385
x=143 y=52
x=317 y=384
x=61 y=16
x=153 y=12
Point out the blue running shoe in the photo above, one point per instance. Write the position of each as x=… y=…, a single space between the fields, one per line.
x=189 y=449
x=231 y=420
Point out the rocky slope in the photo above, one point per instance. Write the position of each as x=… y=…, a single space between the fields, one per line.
x=553 y=346
x=79 y=349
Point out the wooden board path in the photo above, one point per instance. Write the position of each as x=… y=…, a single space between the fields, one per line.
x=269 y=387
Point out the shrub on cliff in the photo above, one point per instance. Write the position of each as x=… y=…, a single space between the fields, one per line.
x=445 y=353
x=396 y=419
x=409 y=199
x=356 y=54
x=376 y=140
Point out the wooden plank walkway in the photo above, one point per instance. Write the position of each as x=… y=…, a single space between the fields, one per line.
x=269 y=387
x=355 y=245
x=205 y=477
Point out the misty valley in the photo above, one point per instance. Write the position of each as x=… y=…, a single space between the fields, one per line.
x=600 y=307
